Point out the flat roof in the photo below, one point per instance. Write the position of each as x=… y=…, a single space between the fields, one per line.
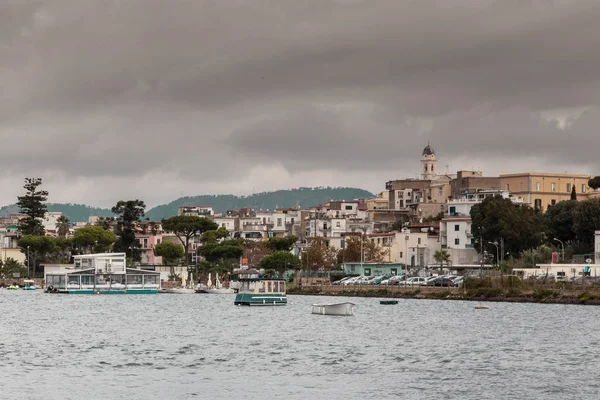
x=545 y=174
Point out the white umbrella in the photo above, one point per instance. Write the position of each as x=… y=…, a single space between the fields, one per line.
x=208 y=282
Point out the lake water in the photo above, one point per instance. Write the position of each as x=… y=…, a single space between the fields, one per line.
x=202 y=346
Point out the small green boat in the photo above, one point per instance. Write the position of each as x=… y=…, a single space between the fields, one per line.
x=388 y=302
x=261 y=292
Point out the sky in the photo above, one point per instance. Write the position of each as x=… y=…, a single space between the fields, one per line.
x=153 y=99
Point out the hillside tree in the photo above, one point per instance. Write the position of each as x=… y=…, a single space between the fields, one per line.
x=280 y=261
x=129 y=214
x=586 y=220
x=371 y=251
x=33 y=205
x=63 y=226
x=318 y=255
x=93 y=239
x=185 y=227
x=558 y=219
x=521 y=226
x=170 y=252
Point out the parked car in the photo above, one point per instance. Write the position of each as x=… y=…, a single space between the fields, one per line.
x=458 y=281
x=414 y=281
x=396 y=279
x=440 y=281
x=351 y=281
x=341 y=281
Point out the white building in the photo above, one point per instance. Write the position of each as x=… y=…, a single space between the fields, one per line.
x=50 y=220
x=455 y=228
x=198 y=211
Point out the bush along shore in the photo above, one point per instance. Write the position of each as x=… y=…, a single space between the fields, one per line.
x=544 y=295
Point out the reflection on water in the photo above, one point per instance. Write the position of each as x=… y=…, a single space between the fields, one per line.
x=185 y=346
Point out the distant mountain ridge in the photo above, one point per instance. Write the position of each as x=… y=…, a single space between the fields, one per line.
x=289 y=198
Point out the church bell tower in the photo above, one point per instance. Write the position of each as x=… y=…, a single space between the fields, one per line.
x=428 y=168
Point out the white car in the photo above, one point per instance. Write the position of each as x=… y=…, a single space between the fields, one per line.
x=415 y=281
x=351 y=281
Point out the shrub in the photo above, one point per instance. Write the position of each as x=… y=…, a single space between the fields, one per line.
x=542 y=294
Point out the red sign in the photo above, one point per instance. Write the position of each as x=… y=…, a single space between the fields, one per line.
x=555 y=258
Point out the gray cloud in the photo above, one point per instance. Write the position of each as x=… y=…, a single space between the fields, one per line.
x=231 y=96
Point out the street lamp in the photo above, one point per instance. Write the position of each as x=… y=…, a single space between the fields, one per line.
x=562 y=245
x=497 y=252
x=131 y=248
x=28 y=273
x=406 y=255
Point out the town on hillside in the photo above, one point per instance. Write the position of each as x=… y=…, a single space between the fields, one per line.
x=420 y=225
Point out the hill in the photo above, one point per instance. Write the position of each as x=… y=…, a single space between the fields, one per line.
x=303 y=197
x=75 y=212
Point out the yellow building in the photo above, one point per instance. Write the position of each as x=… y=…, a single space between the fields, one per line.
x=542 y=190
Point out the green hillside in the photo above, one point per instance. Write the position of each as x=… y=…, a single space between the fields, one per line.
x=75 y=212
x=303 y=197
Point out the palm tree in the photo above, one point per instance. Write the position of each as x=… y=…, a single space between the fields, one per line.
x=442 y=256
x=63 y=226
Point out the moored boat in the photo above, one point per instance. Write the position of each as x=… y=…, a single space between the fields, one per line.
x=334 y=309
x=181 y=290
x=256 y=291
x=218 y=288
x=13 y=287
x=28 y=284
x=388 y=302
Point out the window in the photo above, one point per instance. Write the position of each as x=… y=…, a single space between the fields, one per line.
x=279 y=222
x=538 y=204
x=425 y=168
x=348 y=207
x=457 y=241
x=452 y=210
x=401 y=255
x=367 y=271
x=583 y=188
x=145 y=242
x=507 y=187
x=157 y=241
x=569 y=187
x=553 y=201
x=419 y=241
x=537 y=187
x=456 y=228
x=553 y=186
x=337 y=224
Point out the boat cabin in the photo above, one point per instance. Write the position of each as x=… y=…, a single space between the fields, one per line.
x=103 y=273
x=261 y=285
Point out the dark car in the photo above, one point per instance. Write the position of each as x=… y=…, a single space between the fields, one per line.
x=440 y=281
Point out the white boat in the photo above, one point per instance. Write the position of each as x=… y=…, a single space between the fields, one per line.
x=334 y=309
x=217 y=288
x=181 y=290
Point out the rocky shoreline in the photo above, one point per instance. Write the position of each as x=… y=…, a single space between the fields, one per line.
x=541 y=296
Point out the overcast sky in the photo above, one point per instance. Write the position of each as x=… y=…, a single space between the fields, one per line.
x=154 y=99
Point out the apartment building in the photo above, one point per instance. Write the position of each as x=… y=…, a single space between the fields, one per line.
x=541 y=190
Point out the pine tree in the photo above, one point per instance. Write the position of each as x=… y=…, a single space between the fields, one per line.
x=33 y=205
x=573 y=193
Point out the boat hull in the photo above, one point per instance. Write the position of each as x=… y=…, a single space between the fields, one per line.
x=177 y=291
x=262 y=299
x=92 y=291
x=333 y=309
x=219 y=291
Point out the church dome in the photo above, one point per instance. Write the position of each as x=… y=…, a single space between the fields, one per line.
x=428 y=151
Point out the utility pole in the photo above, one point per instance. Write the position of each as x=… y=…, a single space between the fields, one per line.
x=501 y=256
x=481 y=250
